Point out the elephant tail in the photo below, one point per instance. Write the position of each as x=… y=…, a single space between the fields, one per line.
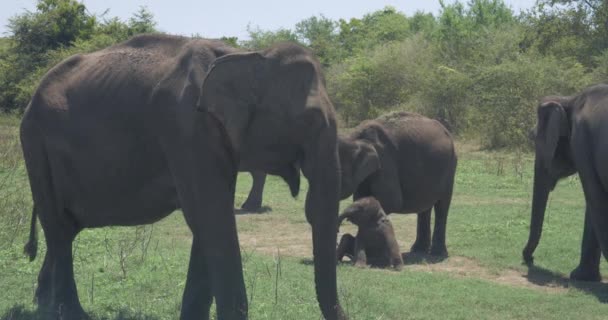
x=31 y=247
x=38 y=170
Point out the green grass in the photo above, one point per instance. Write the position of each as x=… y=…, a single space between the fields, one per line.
x=139 y=273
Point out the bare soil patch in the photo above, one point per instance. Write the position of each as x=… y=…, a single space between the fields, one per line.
x=271 y=234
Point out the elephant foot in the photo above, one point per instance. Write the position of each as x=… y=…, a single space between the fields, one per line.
x=580 y=274
x=420 y=247
x=439 y=251
x=63 y=312
x=251 y=206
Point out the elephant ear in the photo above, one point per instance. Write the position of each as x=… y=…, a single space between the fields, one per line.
x=367 y=162
x=231 y=90
x=552 y=124
x=181 y=86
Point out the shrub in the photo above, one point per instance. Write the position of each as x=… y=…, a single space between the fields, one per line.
x=506 y=95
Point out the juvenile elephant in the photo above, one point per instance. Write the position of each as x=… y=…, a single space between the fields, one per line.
x=375 y=242
x=571 y=136
x=407 y=162
x=128 y=134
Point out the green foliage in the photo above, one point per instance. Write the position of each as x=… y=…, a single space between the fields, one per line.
x=504 y=116
x=600 y=74
x=260 y=39
x=319 y=34
x=56 y=30
x=367 y=85
x=55 y=23
x=379 y=27
x=142 y=21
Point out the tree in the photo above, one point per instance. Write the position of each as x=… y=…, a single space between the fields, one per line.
x=142 y=22
x=260 y=39
x=319 y=34
x=55 y=23
x=381 y=26
x=566 y=28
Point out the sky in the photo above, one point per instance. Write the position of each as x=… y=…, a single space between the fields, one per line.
x=217 y=18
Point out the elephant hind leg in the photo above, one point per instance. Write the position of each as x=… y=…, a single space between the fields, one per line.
x=423 y=233
x=57 y=291
x=198 y=296
x=346 y=247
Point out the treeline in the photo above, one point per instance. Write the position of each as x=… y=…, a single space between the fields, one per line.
x=477 y=66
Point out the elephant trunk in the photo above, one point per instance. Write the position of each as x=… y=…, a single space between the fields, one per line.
x=322 y=204
x=345 y=215
x=542 y=187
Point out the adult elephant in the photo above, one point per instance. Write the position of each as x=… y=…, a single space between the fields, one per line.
x=407 y=162
x=125 y=135
x=571 y=137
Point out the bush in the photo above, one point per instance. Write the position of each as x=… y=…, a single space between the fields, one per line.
x=506 y=96
x=367 y=85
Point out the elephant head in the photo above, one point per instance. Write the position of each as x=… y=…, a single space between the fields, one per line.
x=553 y=161
x=358 y=160
x=276 y=115
x=363 y=212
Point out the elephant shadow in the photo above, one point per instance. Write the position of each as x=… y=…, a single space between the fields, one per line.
x=544 y=277
x=19 y=312
x=411 y=258
x=263 y=209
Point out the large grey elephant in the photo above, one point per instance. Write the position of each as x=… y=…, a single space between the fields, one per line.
x=407 y=162
x=128 y=134
x=571 y=136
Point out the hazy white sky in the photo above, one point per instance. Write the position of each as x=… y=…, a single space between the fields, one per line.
x=218 y=18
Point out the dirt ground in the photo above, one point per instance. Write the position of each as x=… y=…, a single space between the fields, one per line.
x=268 y=234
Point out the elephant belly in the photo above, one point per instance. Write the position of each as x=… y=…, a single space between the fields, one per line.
x=112 y=179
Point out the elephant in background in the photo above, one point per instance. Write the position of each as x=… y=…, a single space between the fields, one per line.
x=253 y=203
x=570 y=137
x=127 y=134
x=407 y=162
x=375 y=242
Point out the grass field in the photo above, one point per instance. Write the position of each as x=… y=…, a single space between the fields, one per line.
x=139 y=273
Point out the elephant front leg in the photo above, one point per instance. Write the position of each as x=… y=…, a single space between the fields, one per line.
x=423 y=233
x=197 y=297
x=438 y=246
x=589 y=266
x=215 y=263
x=205 y=180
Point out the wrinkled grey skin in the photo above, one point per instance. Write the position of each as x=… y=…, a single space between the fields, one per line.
x=407 y=162
x=128 y=134
x=571 y=136
x=375 y=242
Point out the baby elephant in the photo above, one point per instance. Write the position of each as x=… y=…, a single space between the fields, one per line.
x=375 y=242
